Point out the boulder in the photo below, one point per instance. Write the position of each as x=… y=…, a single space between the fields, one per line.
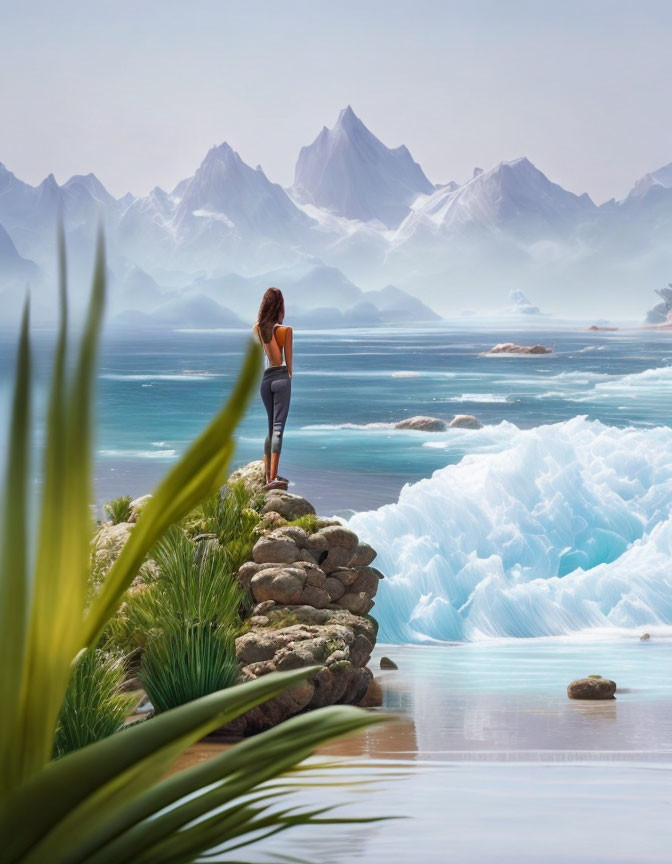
x=346 y=575
x=275 y=550
x=252 y=475
x=314 y=576
x=337 y=556
x=287 y=505
x=334 y=588
x=367 y=581
x=422 y=424
x=317 y=597
x=644 y=637
x=363 y=555
x=373 y=698
x=465 y=421
x=358 y=602
x=337 y=536
x=593 y=687
x=283 y=585
x=386 y=663
x=292 y=532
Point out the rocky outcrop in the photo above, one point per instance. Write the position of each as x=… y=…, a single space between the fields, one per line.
x=312 y=592
x=512 y=348
x=592 y=687
x=310 y=585
x=434 y=424
x=423 y=424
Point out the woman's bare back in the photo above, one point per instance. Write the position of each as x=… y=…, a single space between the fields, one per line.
x=279 y=349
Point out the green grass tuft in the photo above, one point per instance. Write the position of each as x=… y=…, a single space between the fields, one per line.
x=309 y=522
x=119 y=509
x=188 y=617
x=94 y=706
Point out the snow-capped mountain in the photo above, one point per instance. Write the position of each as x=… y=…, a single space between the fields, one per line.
x=513 y=196
x=226 y=191
x=358 y=216
x=227 y=215
x=349 y=172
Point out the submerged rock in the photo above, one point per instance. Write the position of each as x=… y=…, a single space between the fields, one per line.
x=386 y=663
x=593 y=687
x=423 y=424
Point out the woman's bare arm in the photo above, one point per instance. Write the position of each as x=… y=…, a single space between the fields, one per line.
x=288 y=349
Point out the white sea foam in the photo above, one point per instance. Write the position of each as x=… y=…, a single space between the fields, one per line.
x=567 y=528
x=181 y=376
x=138 y=454
x=479 y=397
x=333 y=427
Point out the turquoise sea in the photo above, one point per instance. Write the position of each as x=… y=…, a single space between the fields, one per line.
x=157 y=390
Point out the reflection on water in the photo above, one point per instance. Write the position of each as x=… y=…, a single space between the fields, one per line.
x=509 y=701
x=493 y=763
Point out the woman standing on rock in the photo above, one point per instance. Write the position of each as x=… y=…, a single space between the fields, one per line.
x=276 y=385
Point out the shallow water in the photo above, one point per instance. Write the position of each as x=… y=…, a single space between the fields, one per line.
x=493 y=763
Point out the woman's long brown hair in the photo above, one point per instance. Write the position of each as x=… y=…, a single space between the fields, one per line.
x=271 y=309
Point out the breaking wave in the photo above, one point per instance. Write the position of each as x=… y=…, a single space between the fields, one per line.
x=566 y=528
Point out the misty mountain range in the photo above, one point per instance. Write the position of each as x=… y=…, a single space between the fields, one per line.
x=362 y=236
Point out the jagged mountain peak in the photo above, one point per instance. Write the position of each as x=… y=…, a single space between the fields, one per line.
x=349 y=172
x=221 y=152
x=349 y=121
x=662 y=178
x=513 y=192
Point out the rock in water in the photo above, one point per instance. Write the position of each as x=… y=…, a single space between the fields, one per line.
x=465 y=421
x=386 y=663
x=593 y=687
x=644 y=637
x=423 y=424
x=512 y=348
x=373 y=698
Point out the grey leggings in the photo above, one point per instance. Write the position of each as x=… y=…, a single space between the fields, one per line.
x=276 y=391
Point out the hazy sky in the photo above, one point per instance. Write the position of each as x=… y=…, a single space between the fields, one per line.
x=138 y=91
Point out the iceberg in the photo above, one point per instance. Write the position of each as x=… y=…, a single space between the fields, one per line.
x=567 y=528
